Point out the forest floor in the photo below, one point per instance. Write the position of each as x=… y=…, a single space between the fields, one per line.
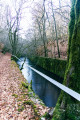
x=15 y=103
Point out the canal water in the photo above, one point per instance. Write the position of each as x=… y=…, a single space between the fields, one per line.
x=48 y=92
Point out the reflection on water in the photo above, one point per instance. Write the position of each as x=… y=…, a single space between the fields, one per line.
x=44 y=89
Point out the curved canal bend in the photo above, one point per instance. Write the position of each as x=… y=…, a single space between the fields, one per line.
x=48 y=92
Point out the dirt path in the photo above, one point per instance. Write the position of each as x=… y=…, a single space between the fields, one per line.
x=10 y=92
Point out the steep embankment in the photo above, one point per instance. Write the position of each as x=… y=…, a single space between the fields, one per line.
x=14 y=100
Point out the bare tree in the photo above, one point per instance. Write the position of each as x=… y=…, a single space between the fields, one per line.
x=44 y=29
x=13 y=23
x=40 y=21
x=54 y=20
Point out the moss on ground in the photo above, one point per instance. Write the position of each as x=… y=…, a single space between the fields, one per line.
x=15 y=95
x=29 y=102
x=25 y=85
x=20 y=108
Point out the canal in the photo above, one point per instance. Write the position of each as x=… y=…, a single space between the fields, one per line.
x=48 y=92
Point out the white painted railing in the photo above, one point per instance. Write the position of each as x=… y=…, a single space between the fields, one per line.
x=16 y=57
x=59 y=85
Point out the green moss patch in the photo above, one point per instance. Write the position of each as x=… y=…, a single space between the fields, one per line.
x=29 y=102
x=20 y=108
x=15 y=95
x=24 y=84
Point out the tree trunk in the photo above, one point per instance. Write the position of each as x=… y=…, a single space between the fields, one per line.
x=55 y=30
x=67 y=107
x=44 y=31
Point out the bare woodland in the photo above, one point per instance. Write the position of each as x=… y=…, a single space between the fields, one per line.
x=48 y=34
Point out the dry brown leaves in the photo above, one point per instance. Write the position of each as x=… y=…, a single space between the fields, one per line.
x=10 y=80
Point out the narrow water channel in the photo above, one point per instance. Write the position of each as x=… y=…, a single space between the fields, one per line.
x=48 y=92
